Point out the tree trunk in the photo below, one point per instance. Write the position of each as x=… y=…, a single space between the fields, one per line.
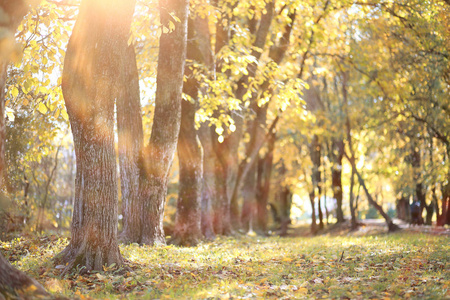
x=249 y=196
x=285 y=199
x=166 y=123
x=187 y=231
x=209 y=185
x=336 y=177
x=15 y=284
x=315 y=153
x=264 y=176
x=90 y=86
x=354 y=223
x=130 y=138
x=232 y=141
x=313 y=212
x=402 y=208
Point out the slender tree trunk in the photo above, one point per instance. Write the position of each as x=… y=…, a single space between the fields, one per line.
x=209 y=185
x=391 y=226
x=313 y=212
x=47 y=187
x=90 y=82
x=336 y=177
x=130 y=138
x=166 y=124
x=249 y=196
x=3 y=76
x=354 y=222
x=315 y=153
x=204 y=55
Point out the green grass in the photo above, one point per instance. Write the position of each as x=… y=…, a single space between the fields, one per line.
x=402 y=265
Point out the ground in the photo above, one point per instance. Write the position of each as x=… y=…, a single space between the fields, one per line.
x=354 y=265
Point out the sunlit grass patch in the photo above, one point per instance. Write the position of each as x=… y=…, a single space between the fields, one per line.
x=385 y=266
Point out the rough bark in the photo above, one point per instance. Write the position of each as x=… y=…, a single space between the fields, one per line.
x=187 y=231
x=89 y=85
x=166 y=123
x=130 y=140
x=15 y=284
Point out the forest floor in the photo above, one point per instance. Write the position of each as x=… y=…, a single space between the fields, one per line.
x=365 y=264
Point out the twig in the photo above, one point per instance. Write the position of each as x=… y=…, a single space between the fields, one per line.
x=342 y=256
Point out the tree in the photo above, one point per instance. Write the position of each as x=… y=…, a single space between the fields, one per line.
x=187 y=229
x=131 y=139
x=12 y=14
x=159 y=153
x=15 y=284
x=89 y=84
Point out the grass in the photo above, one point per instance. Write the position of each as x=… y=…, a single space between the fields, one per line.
x=396 y=266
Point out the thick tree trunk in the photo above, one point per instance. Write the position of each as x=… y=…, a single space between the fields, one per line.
x=90 y=86
x=188 y=230
x=166 y=122
x=15 y=284
x=130 y=138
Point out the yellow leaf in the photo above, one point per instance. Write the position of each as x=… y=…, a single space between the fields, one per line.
x=14 y=92
x=64 y=115
x=42 y=108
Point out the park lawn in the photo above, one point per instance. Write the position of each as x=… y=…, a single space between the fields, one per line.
x=401 y=265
